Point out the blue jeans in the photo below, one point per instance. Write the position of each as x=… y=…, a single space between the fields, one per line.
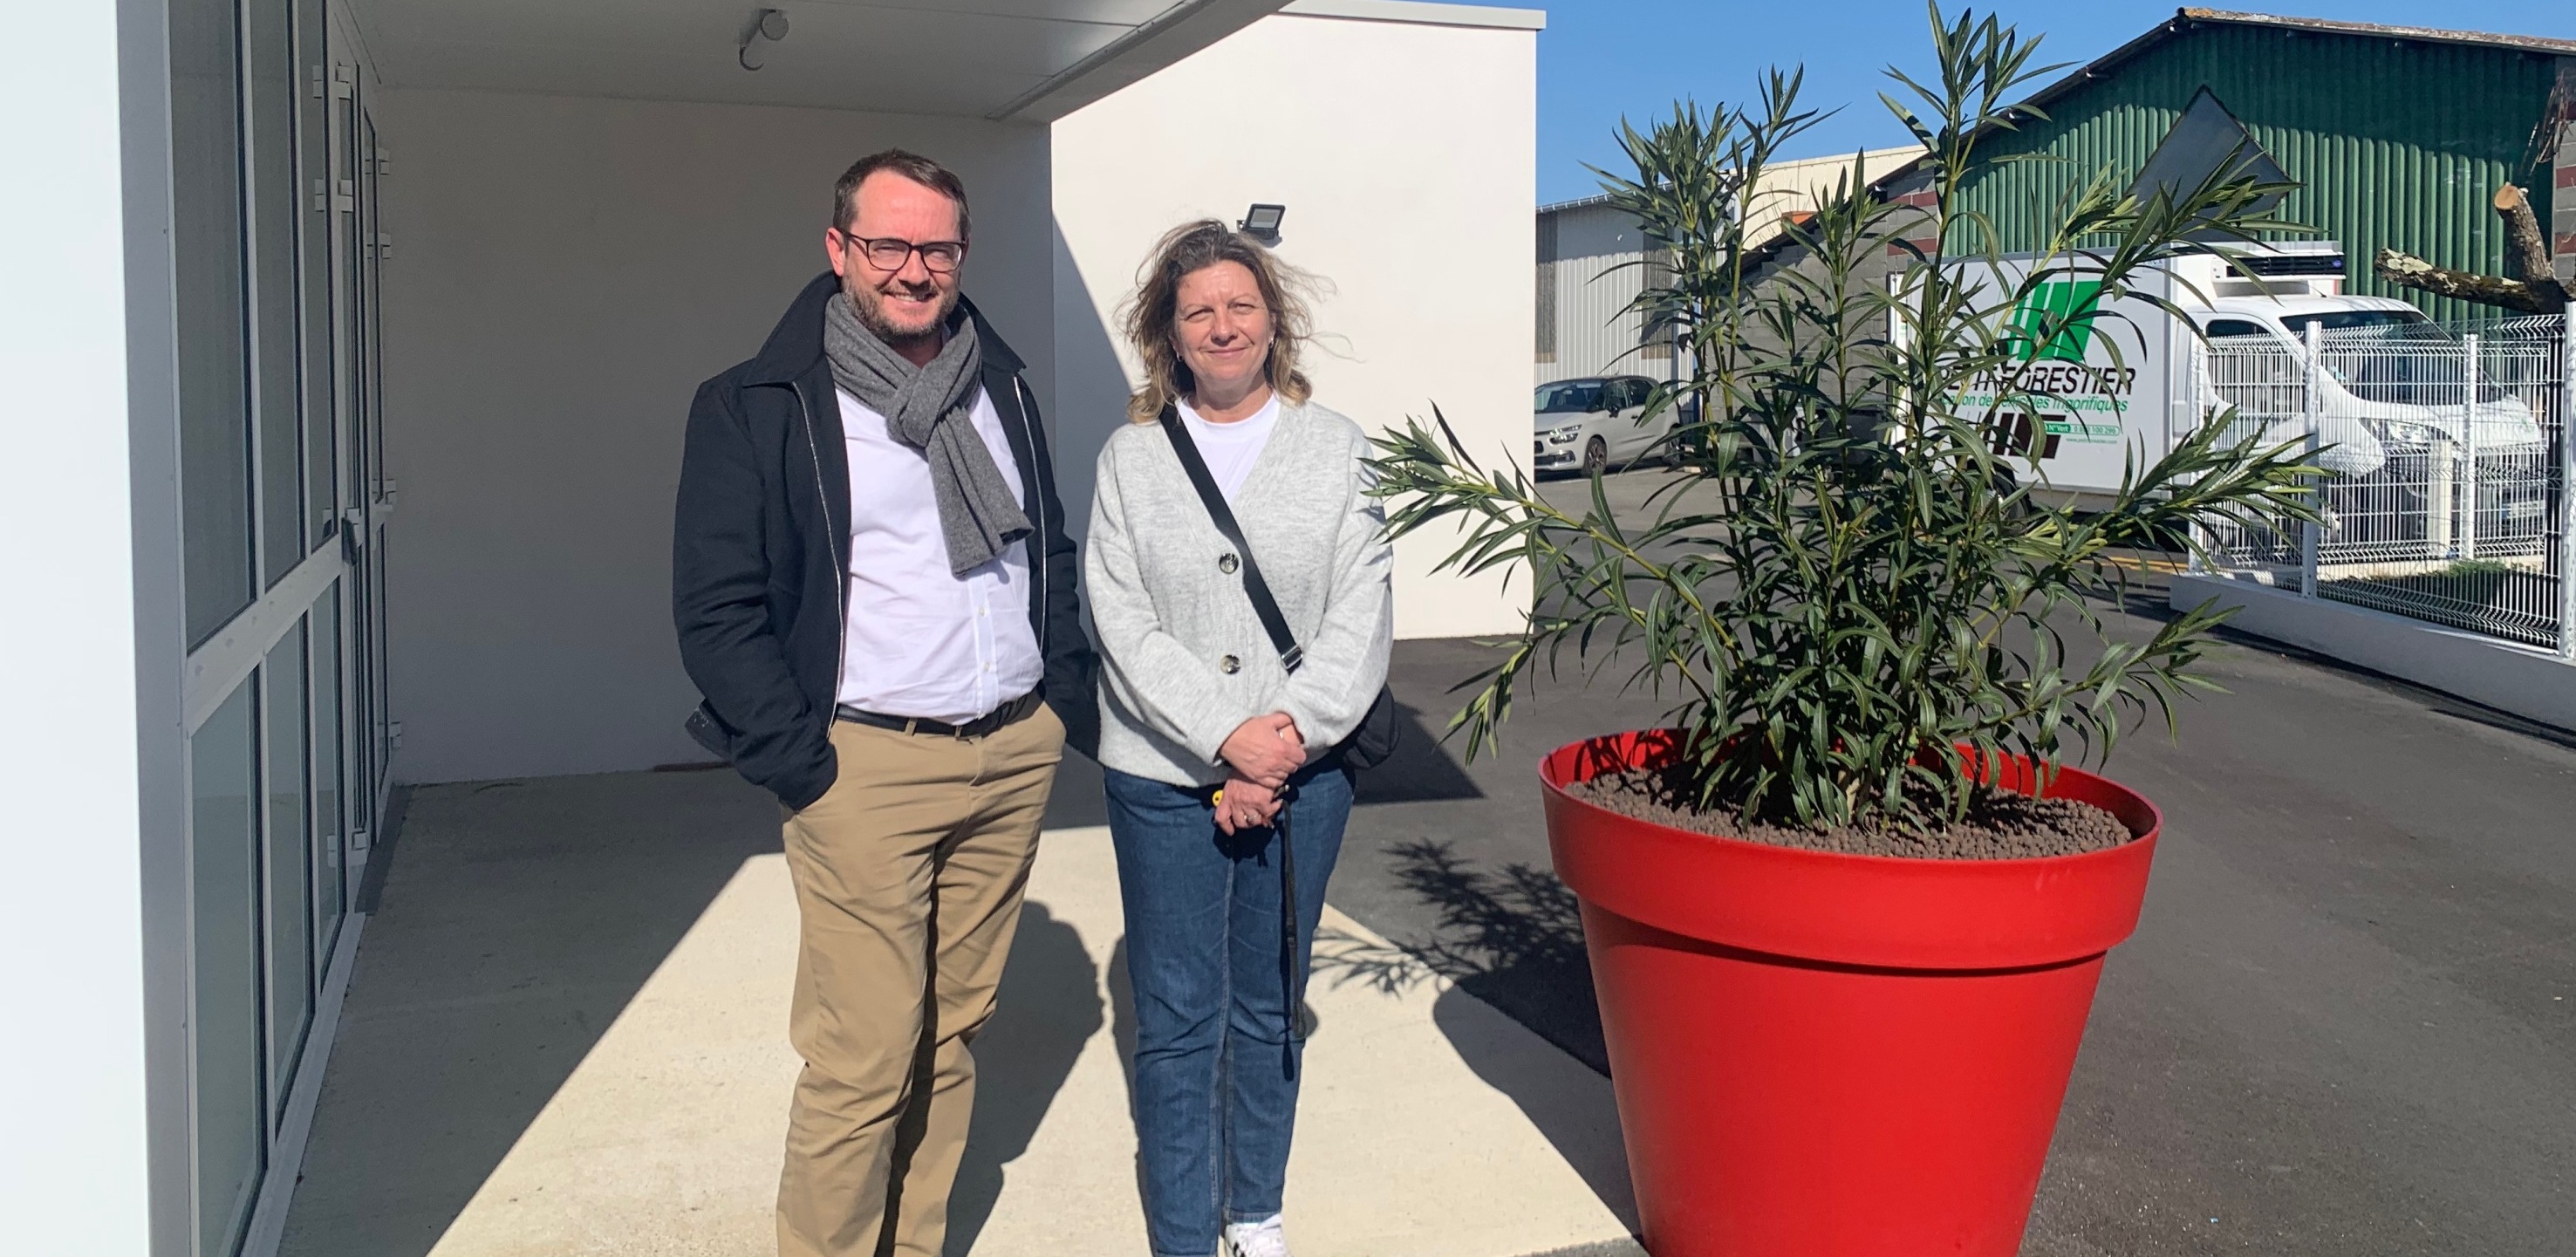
x=1216 y=1063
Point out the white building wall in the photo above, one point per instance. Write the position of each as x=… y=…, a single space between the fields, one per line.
x=1405 y=152
x=1599 y=248
x=1596 y=332
x=87 y=766
x=565 y=271
x=1598 y=269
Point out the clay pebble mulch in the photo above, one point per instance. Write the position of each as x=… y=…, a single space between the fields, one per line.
x=2004 y=827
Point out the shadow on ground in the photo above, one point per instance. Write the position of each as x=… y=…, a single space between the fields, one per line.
x=1051 y=997
x=1512 y=937
x=520 y=919
x=1510 y=943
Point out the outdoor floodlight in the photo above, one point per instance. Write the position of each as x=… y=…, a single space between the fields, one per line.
x=1261 y=222
x=767 y=27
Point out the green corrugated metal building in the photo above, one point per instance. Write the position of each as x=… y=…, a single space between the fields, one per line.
x=2397 y=136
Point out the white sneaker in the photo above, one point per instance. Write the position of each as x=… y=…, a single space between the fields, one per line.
x=1256 y=1239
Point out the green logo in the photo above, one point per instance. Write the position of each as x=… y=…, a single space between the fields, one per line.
x=2054 y=321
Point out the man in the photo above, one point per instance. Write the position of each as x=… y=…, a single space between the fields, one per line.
x=875 y=594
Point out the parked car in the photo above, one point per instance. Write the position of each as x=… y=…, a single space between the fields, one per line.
x=1592 y=423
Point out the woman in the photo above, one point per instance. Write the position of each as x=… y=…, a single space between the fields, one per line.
x=1216 y=753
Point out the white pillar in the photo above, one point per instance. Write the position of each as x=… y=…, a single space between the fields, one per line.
x=2312 y=384
x=78 y=775
x=2567 y=478
x=2470 y=478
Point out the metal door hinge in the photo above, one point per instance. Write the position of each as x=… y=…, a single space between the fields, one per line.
x=384 y=164
x=321 y=196
x=384 y=245
x=344 y=80
x=319 y=91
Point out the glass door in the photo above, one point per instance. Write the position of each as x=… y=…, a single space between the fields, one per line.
x=353 y=389
x=275 y=265
x=371 y=409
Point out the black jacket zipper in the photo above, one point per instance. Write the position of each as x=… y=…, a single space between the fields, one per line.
x=1037 y=540
x=831 y=546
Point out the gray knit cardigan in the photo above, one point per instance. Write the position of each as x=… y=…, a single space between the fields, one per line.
x=1184 y=659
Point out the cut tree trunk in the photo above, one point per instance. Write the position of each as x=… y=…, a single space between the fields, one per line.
x=2536 y=291
x=2526 y=250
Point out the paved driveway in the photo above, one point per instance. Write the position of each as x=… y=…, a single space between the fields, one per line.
x=2347 y=1026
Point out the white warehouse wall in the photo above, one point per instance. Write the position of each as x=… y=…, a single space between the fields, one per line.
x=1405 y=152
x=564 y=272
x=1599 y=270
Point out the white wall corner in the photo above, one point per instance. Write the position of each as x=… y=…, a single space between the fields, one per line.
x=76 y=1161
x=1176 y=34
x=1406 y=155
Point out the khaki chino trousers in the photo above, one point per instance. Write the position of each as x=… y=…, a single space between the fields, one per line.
x=908 y=874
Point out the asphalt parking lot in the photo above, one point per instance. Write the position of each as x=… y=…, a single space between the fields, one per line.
x=2346 y=1026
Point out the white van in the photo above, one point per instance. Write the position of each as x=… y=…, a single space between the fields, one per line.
x=2391 y=377
x=2392 y=410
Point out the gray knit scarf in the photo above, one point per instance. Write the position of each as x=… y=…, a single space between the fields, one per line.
x=931 y=409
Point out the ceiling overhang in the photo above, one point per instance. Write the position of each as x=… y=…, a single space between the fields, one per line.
x=1024 y=60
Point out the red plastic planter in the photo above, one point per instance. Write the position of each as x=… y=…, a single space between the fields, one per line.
x=1822 y=1055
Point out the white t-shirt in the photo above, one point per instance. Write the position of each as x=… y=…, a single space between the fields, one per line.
x=1232 y=448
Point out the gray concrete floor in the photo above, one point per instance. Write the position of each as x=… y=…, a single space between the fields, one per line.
x=2346 y=1027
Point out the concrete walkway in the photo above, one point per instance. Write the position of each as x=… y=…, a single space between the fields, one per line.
x=1431 y=1125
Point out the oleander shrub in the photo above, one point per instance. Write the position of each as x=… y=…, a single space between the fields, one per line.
x=1861 y=568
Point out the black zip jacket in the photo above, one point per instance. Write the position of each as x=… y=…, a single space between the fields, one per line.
x=759 y=573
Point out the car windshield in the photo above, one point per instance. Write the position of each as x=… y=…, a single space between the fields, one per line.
x=2396 y=324
x=2398 y=357
x=1569 y=397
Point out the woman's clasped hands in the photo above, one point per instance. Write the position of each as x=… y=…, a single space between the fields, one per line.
x=1259 y=756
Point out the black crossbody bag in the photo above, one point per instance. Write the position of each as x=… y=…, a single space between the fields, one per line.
x=1374 y=741
x=1367 y=747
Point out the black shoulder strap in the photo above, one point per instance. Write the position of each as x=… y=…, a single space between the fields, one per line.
x=1263 y=605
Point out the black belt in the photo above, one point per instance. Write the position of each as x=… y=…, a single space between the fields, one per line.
x=989 y=722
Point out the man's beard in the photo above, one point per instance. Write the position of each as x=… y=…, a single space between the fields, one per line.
x=868 y=303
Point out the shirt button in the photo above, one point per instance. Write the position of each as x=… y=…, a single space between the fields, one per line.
x=1229 y=665
x=1226 y=563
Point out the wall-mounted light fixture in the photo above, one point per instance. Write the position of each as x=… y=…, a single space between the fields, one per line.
x=767 y=27
x=1261 y=222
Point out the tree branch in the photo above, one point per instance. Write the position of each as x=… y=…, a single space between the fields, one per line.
x=2532 y=288
x=2409 y=271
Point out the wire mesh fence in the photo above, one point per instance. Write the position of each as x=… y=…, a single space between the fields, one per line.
x=2444 y=454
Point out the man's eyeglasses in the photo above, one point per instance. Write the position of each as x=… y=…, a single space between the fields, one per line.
x=886 y=253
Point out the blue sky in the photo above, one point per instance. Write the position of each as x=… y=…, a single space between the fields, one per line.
x=1601 y=59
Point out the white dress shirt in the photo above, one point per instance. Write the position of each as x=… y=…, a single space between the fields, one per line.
x=923 y=642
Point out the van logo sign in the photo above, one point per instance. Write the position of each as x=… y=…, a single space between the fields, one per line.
x=2046 y=389
x=2055 y=321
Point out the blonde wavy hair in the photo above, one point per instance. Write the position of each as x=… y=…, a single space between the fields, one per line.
x=1147 y=316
